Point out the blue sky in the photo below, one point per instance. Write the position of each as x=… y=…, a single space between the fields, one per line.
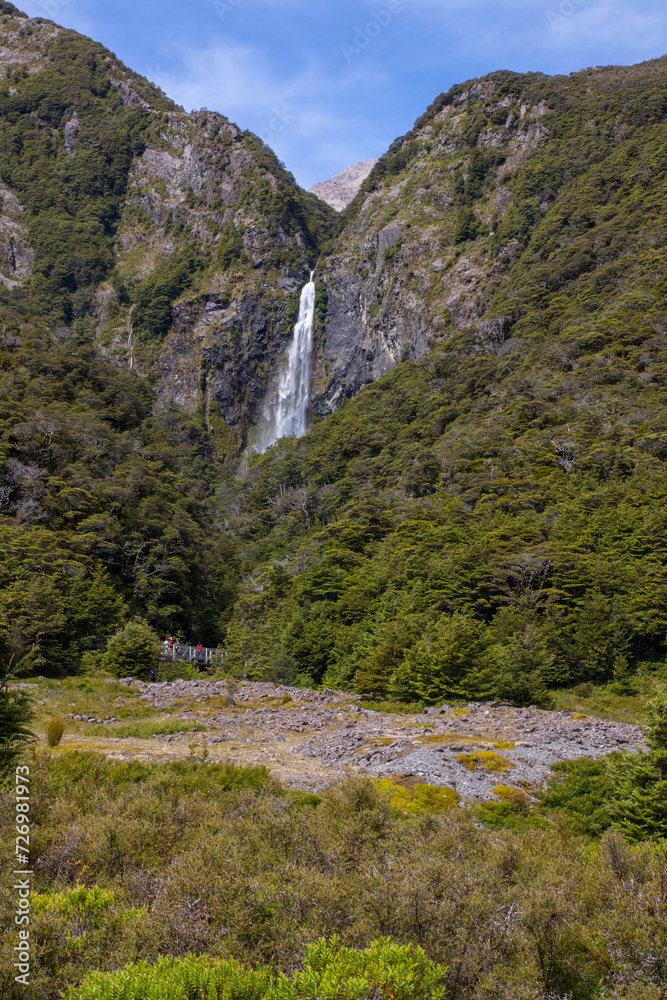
x=329 y=82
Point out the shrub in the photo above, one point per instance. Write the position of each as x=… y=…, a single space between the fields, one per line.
x=16 y=711
x=467 y=226
x=583 y=790
x=383 y=970
x=230 y=247
x=641 y=779
x=55 y=727
x=132 y=651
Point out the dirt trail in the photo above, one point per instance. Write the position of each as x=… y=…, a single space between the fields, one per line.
x=309 y=738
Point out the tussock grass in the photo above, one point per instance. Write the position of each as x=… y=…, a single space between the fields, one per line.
x=604 y=703
x=55 y=727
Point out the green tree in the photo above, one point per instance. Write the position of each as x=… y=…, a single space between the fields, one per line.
x=230 y=247
x=467 y=226
x=16 y=712
x=515 y=672
x=641 y=798
x=377 y=669
x=133 y=650
x=625 y=678
x=442 y=664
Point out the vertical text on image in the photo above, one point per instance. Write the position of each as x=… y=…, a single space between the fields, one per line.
x=22 y=875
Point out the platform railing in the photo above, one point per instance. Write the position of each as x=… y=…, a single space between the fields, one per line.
x=190 y=654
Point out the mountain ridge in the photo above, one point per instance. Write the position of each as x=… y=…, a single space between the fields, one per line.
x=342 y=188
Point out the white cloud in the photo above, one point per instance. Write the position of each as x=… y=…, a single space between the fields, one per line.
x=296 y=115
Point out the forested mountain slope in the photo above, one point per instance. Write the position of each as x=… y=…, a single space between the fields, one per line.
x=518 y=205
x=124 y=210
x=486 y=518
x=491 y=518
x=124 y=215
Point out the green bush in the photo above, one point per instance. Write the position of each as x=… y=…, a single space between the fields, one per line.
x=133 y=651
x=584 y=791
x=16 y=712
x=640 y=806
x=467 y=226
x=626 y=790
x=383 y=971
x=230 y=249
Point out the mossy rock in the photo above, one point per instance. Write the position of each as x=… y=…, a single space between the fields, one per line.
x=487 y=759
x=422 y=798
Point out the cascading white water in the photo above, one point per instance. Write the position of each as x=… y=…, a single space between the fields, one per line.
x=130 y=338
x=285 y=411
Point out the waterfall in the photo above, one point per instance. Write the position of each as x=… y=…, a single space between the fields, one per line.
x=285 y=411
x=130 y=338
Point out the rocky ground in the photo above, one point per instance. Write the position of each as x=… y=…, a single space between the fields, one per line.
x=308 y=738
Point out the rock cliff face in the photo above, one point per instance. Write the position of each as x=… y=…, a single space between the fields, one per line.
x=398 y=279
x=439 y=237
x=208 y=239
x=16 y=254
x=255 y=236
x=340 y=190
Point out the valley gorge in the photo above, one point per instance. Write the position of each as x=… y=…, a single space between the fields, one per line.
x=394 y=275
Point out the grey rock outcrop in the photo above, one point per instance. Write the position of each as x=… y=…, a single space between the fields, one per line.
x=340 y=190
x=399 y=279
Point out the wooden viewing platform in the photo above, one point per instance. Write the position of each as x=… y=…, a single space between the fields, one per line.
x=190 y=654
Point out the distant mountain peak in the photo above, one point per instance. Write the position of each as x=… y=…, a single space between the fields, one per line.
x=341 y=189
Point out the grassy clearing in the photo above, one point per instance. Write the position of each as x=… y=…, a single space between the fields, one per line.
x=97 y=696
x=392 y=707
x=604 y=703
x=143 y=730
